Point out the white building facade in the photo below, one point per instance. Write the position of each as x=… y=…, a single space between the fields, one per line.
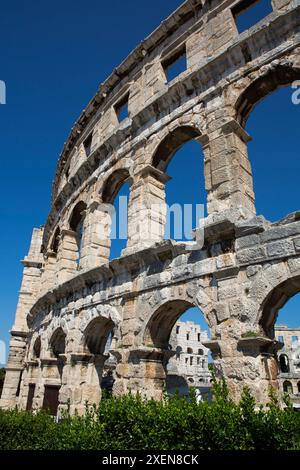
x=289 y=361
x=189 y=365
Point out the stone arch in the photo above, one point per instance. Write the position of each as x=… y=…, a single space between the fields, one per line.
x=105 y=319
x=275 y=299
x=36 y=349
x=262 y=86
x=287 y=386
x=57 y=342
x=77 y=215
x=113 y=184
x=171 y=143
x=34 y=344
x=56 y=324
x=271 y=288
x=162 y=321
x=54 y=243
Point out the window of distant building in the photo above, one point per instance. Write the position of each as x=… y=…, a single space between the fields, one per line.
x=287 y=387
x=284 y=363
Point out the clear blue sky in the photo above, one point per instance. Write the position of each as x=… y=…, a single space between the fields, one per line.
x=54 y=55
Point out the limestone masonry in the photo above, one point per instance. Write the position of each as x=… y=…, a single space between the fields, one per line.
x=72 y=299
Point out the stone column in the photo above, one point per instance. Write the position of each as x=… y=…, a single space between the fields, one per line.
x=141 y=370
x=228 y=173
x=48 y=277
x=30 y=375
x=27 y=296
x=247 y=362
x=81 y=381
x=67 y=256
x=147 y=209
x=96 y=233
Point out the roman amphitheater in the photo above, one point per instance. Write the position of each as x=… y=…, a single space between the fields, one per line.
x=72 y=298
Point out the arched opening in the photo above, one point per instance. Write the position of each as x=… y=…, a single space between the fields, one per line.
x=58 y=343
x=176 y=328
x=97 y=342
x=53 y=371
x=37 y=348
x=96 y=335
x=288 y=387
x=115 y=195
x=273 y=151
x=76 y=225
x=55 y=241
x=180 y=154
x=280 y=321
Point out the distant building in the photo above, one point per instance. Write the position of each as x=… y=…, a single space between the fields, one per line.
x=189 y=366
x=289 y=361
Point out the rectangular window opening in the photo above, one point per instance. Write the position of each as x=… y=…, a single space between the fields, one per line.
x=175 y=65
x=88 y=144
x=247 y=13
x=122 y=109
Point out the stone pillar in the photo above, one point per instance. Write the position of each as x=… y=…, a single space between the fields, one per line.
x=67 y=256
x=48 y=277
x=27 y=297
x=141 y=370
x=31 y=375
x=247 y=362
x=81 y=381
x=147 y=209
x=96 y=236
x=228 y=175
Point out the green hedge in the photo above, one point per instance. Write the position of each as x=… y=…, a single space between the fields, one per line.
x=133 y=423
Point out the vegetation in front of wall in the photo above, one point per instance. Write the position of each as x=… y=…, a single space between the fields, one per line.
x=134 y=423
x=250 y=334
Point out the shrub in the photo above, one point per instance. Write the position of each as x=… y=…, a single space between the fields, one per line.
x=134 y=423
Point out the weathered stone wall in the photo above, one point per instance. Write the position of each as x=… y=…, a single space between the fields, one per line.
x=247 y=268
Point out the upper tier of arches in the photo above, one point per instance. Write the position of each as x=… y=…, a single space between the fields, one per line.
x=222 y=82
